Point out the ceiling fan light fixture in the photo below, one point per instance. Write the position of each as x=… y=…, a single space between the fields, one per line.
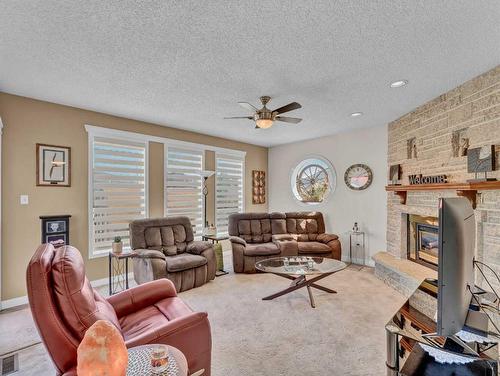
x=264 y=123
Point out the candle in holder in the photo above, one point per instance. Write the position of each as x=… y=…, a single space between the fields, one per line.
x=159 y=359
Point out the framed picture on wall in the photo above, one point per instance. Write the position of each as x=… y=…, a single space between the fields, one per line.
x=53 y=165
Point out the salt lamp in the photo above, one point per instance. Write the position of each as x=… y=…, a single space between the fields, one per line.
x=102 y=351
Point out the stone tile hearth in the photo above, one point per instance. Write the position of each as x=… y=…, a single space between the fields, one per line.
x=402 y=275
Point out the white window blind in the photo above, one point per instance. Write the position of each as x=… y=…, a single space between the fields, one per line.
x=118 y=186
x=184 y=184
x=229 y=188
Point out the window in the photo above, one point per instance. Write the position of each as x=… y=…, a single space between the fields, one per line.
x=184 y=184
x=313 y=180
x=228 y=188
x=117 y=190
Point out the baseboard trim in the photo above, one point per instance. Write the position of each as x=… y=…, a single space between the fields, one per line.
x=22 y=300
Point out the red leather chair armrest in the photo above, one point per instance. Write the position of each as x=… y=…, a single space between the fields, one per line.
x=173 y=328
x=142 y=296
x=71 y=372
x=326 y=238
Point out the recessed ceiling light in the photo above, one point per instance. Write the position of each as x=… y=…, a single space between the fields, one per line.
x=399 y=83
x=356 y=114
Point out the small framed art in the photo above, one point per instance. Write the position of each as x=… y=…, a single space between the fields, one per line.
x=53 y=165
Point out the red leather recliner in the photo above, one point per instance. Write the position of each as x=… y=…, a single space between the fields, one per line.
x=64 y=305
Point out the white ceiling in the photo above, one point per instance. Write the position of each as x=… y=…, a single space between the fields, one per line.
x=186 y=63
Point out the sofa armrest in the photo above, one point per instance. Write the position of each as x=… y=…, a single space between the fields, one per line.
x=197 y=247
x=141 y=296
x=326 y=238
x=281 y=237
x=149 y=253
x=183 y=326
x=237 y=240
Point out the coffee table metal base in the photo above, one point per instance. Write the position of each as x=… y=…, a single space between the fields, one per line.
x=299 y=282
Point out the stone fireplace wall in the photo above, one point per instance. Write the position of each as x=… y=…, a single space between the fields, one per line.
x=424 y=141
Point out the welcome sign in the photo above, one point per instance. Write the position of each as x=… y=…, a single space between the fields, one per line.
x=419 y=179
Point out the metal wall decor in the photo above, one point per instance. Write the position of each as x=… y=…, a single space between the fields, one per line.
x=411 y=148
x=358 y=177
x=53 y=165
x=420 y=179
x=459 y=143
x=481 y=160
x=258 y=187
x=395 y=174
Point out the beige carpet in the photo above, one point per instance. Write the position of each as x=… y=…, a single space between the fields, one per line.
x=343 y=335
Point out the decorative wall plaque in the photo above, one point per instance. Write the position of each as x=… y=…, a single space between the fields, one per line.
x=420 y=179
x=459 y=143
x=53 y=165
x=258 y=187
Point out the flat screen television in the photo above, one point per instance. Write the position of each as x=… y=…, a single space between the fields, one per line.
x=457 y=238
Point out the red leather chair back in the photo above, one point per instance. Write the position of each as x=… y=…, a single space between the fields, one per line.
x=59 y=341
x=63 y=303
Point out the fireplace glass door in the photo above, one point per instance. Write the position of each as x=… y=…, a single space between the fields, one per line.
x=423 y=240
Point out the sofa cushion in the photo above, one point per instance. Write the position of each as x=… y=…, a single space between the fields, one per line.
x=152 y=236
x=184 y=261
x=167 y=236
x=263 y=249
x=278 y=226
x=313 y=247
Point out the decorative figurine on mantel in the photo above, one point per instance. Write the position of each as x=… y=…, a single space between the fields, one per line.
x=481 y=159
x=395 y=174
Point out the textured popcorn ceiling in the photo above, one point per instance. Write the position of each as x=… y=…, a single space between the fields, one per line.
x=185 y=64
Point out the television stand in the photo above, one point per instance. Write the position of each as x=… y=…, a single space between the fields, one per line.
x=413 y=348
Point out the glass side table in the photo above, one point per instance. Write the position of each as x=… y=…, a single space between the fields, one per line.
x=357 y=247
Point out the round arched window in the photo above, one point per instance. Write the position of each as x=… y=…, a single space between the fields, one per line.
x=313 y=180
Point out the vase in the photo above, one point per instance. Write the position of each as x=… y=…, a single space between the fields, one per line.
x=117 y=247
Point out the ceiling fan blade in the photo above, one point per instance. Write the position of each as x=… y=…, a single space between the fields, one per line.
x=289 y=107
x=239 y=117
x=248 y=106
x=288 y=119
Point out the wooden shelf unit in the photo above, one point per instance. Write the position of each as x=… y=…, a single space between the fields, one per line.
x=468 y=190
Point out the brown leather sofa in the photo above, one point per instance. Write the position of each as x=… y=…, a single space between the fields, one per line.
x=64 y=305
x=257 y=236
x=166 y=249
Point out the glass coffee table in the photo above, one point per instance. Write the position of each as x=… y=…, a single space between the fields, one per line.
x=298 y=269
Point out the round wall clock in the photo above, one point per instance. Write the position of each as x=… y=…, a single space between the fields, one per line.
x=358 y=177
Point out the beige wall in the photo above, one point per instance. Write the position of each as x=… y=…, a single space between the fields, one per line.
x=27 y=122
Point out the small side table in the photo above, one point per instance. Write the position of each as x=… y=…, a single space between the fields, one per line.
x=215 y=239
x=357 y=243
x=139 y=361
x=118 y=271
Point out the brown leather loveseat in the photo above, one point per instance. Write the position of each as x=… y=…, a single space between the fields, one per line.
x=257 y=236
x=166 y=249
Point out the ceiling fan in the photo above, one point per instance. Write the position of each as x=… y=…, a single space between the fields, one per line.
x=264 y=118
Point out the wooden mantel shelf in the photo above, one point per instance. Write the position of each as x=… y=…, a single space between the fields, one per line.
x=468 y=190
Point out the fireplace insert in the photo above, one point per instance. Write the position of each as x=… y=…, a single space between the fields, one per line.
x=423 y=240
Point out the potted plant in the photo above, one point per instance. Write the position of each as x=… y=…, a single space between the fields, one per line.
x=117 y=245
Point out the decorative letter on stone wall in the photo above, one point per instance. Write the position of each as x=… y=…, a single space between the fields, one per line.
x=411 y=148
x=459 y=143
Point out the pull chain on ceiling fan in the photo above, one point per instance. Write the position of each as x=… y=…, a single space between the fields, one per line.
x=264 y=118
